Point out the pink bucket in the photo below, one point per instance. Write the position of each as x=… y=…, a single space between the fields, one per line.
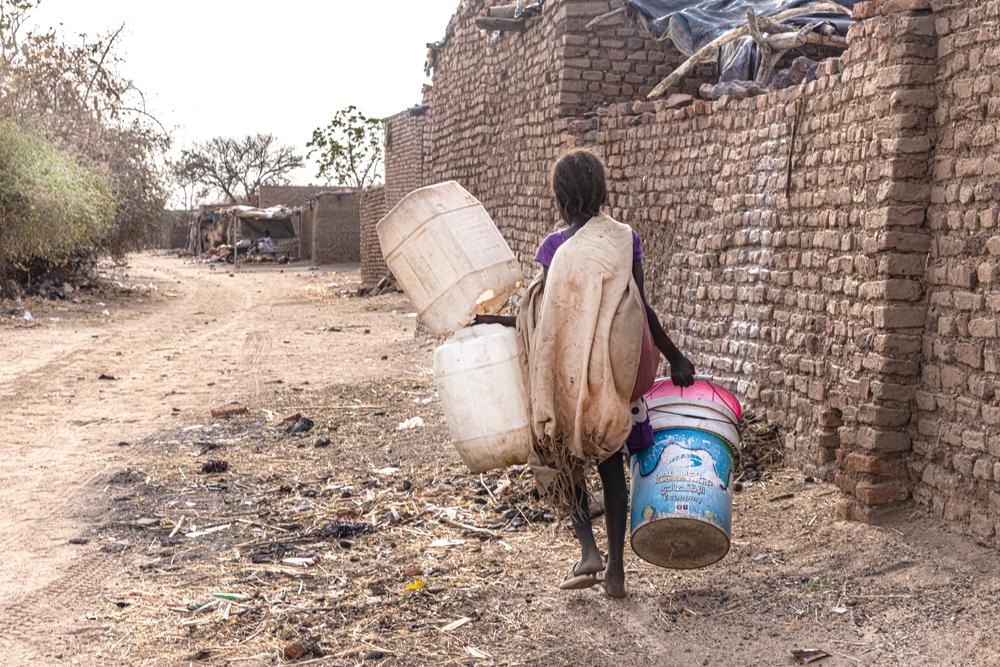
x=701 y=390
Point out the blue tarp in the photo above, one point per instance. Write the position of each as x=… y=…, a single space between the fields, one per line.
x=691 y=24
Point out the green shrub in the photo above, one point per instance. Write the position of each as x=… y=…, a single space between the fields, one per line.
x=51 y=206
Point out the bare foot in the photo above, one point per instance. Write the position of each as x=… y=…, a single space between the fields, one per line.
x=613 y=582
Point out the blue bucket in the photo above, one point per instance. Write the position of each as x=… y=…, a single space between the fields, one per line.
x=682 y=487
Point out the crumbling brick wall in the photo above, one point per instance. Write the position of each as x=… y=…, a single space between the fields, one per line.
x=616 y=61
x=500 y=107
x=956 y=432
x=336 y=228
x=373 y=209
x=796 y=287
x=829 y=250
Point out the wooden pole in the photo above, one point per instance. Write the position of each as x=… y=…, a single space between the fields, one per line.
x=507 y=25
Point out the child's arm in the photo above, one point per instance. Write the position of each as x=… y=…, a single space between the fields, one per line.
x=681 y=369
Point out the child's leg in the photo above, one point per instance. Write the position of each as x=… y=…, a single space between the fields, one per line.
x=616 y=504
x=590 y=556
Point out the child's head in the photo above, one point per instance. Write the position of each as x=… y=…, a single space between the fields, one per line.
x=579 y=186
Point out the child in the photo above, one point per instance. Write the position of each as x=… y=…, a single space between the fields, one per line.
x=588 y=335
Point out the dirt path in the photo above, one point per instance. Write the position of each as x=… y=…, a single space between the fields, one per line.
x=117 y=463
x=62 y=425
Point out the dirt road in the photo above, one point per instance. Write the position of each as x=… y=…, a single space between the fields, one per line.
x=114 y=465
x=223 y=337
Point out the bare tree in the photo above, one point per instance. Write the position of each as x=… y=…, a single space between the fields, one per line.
x=237 y=167
x=187 y=190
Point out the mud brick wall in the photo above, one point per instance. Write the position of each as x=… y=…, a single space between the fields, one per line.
x=500 y=107
x=829 y=250
x=615 y=62
x=286 y=195
x=798 y=288
x=404 y=154
x=307 y=216
x=495 y=123
x=373 y=209
x=336 y=228
x=956 y=433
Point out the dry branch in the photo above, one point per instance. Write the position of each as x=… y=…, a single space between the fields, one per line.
x=607 y=16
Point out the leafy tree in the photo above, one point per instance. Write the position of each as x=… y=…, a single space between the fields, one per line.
x=72 y=95
x=348 y=149
x=51 y=206
x=237 y=167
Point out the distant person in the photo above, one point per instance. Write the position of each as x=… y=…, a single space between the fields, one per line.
x=592 y=345
x=266 y=243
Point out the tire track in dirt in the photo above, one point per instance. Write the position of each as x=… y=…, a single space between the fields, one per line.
x=50 y=470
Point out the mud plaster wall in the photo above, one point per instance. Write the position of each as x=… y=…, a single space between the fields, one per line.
x=956 y=429
x=373 y=209
x=306 y=218
x=336 y=228
x=286 y=195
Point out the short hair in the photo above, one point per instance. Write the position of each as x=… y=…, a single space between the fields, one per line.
x=579 y=185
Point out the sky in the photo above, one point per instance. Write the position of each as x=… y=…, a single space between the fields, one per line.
x=233 y=67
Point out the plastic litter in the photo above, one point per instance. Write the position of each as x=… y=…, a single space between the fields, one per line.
x=411 y=423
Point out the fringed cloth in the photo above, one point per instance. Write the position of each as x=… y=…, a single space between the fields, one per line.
x=581 y=340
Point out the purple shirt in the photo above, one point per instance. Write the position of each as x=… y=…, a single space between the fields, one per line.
x=553 y=241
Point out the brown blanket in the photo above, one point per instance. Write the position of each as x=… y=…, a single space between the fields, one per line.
x=581 y=343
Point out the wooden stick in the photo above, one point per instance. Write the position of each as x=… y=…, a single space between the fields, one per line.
x=831 y=41
x=502 y=11
x=767 y=56
x=606 y=16
x=508 y=25
x=464 y=526
x=709 y=49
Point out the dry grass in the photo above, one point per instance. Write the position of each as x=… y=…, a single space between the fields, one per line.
x=337 y=550
x=380 y=548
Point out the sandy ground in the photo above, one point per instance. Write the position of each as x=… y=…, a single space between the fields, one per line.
x=115 y=464
x=209 y=338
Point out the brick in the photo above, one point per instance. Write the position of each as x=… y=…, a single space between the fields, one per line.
x=883 y=441
x=882 y=493
x=873 y=465
x=983 y=327
x=970 y=354
x=899 y=317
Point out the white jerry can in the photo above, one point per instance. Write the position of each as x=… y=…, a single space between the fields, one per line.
x=448 y=256
x=482 y=390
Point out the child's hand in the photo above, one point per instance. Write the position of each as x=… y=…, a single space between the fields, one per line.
x=682 y=371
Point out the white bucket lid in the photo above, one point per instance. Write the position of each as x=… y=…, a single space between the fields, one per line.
x=697 y=417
